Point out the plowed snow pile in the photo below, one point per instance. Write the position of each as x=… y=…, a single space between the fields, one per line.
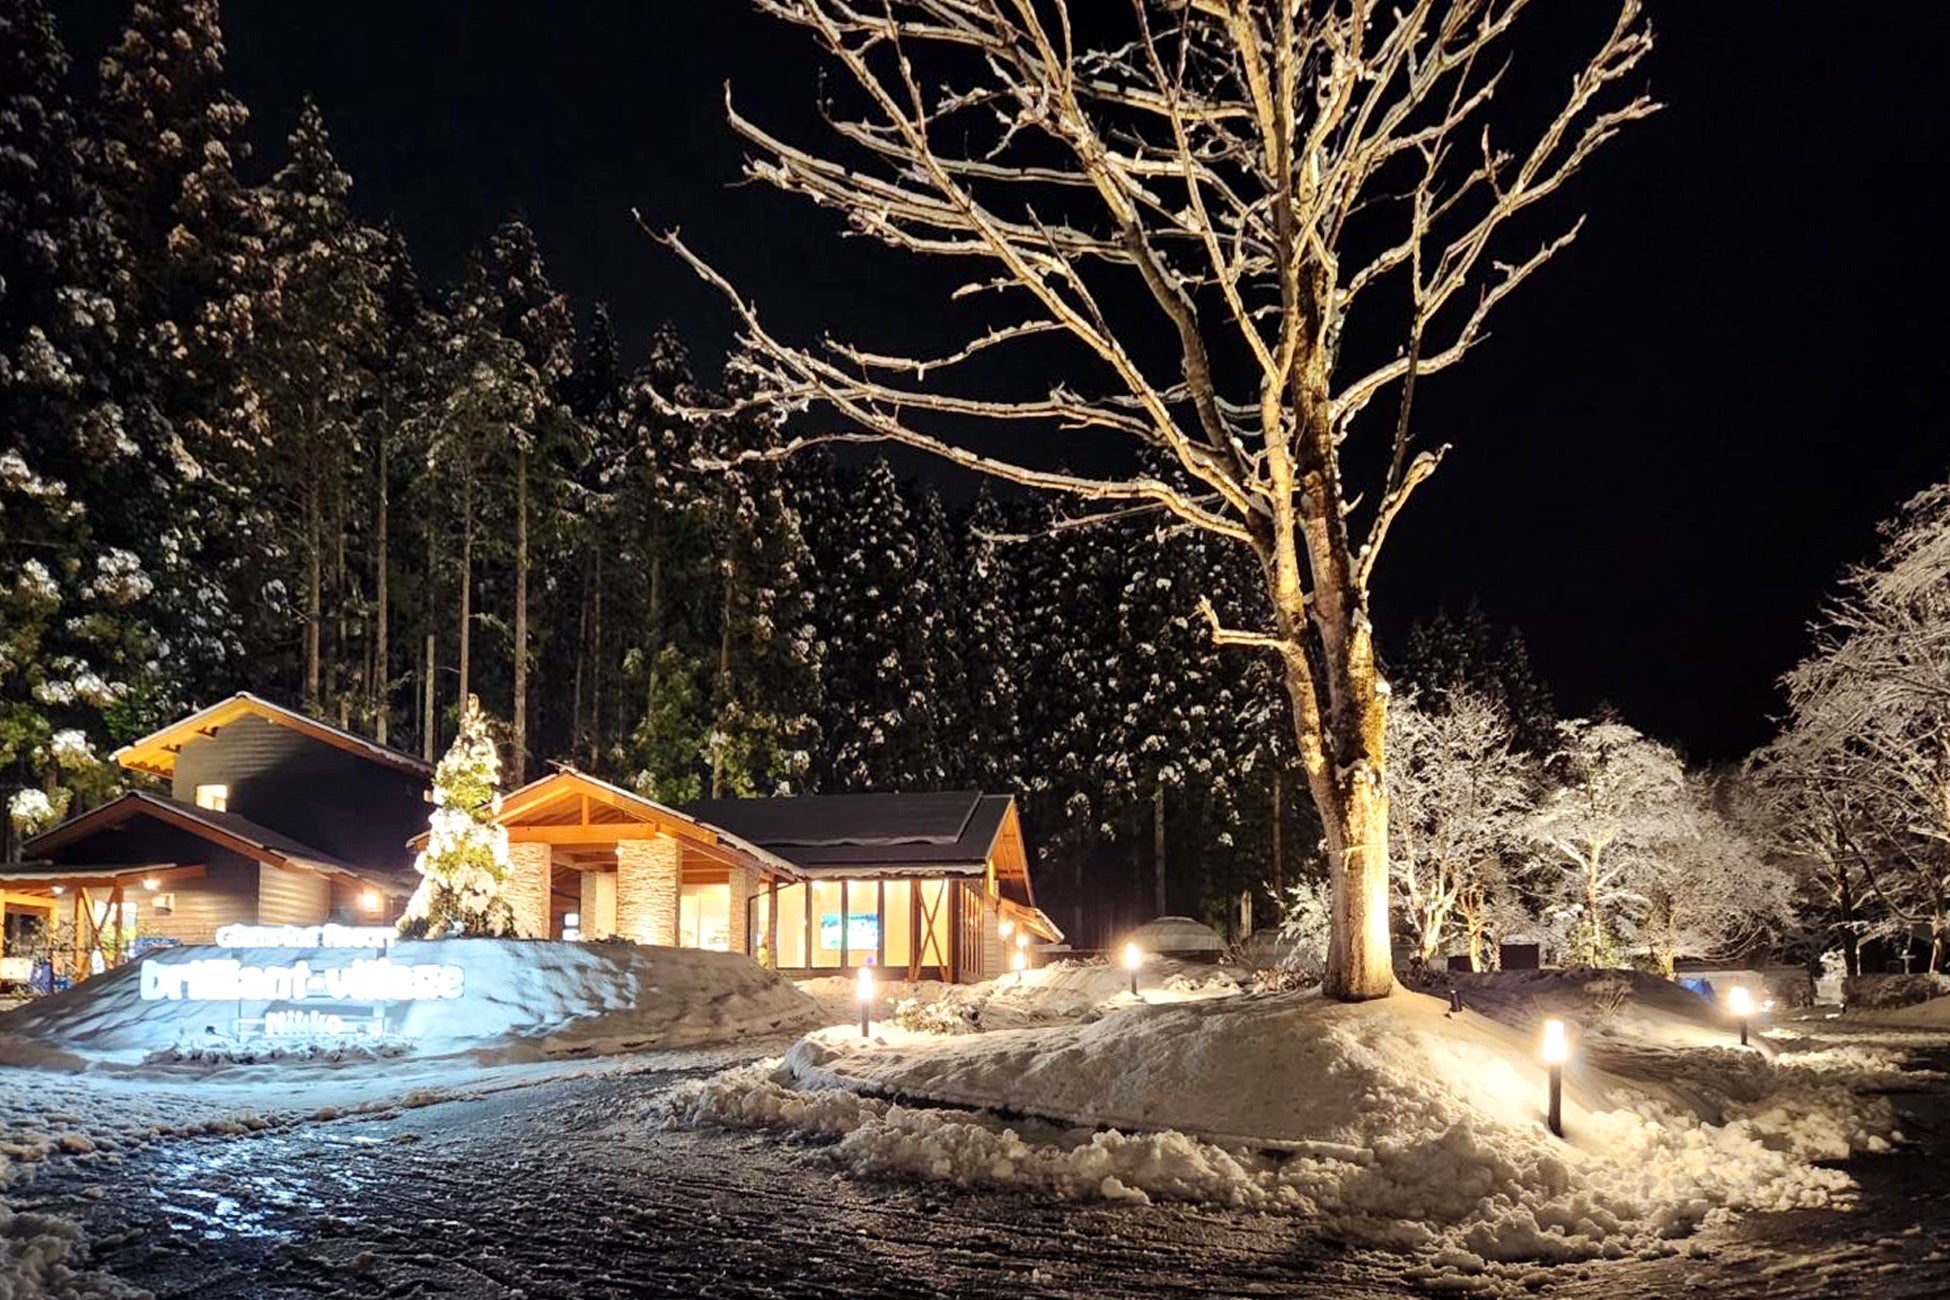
x=520 y=1000
x=1393 y=1122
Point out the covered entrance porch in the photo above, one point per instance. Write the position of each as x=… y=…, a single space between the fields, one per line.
x=589 y=860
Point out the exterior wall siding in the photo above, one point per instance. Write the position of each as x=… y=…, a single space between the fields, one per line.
x=287 y=897
x=225 y=895
x=351 y=807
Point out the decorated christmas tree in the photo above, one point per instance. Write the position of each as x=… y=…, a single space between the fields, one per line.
x=464 y=867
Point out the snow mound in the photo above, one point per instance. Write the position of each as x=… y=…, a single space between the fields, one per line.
x=1059 y=993
x=1392 y=1122
x=1608 y=1004
x=1176 y=934
x=521 y=1000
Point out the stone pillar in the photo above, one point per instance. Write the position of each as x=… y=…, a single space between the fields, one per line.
x=528 y=888
x=743 y=883
x=647 y=875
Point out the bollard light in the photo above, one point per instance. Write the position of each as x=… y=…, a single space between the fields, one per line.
x=866 y=998
x=1455 y=999
x=1133 y=958
x=1741 y=1003
x=1020 y=962
x=1556 y=1051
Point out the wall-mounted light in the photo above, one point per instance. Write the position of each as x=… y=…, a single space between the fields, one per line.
x=369 y=900
x=151 y=884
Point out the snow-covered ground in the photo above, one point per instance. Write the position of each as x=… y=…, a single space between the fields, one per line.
x=1394 y=1124
x=1058 y=993
x=520 y=1000
x=97 y=1071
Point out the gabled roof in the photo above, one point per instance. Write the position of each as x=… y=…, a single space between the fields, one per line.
x=156 y=753
x=226 y=830
x=956 y=828
x=570 y=807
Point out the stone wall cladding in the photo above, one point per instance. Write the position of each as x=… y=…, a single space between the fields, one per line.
x=647 y=873
x=528 y=888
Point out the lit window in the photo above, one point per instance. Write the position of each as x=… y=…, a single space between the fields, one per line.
x=214 y=797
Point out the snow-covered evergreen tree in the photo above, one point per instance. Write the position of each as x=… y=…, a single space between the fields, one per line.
x=985 y=749
x=879 y=624
x=77 y=492
x=464 y=867
x=310 y=364
x=171 y=139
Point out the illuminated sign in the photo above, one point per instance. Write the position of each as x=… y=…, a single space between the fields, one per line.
x=223 y=979
x=308 y=1000
x=306 y=936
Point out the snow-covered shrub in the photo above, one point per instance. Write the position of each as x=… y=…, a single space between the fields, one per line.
x=942 y=1016
x=1306 y=921
x=1608 y=993
x=1875 y=992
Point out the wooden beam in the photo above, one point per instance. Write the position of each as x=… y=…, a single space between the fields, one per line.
x=602 y=833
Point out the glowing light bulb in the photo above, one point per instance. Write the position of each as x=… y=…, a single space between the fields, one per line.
x=1556 y=1048
x=1133 y=956
x=1740 y=1001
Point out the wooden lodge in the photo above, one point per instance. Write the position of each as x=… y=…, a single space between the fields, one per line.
x=272 y=817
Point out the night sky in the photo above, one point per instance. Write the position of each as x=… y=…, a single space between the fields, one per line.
x=1679 y=434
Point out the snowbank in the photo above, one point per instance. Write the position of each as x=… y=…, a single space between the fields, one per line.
x=518 y=1000
x=1061 y=992
x=1608 y=1004
x=1393 y=1123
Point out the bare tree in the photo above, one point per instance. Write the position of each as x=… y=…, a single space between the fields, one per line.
x=1620 y=801
x=1233 y=182
x=1869 y=731
x=1459 y=795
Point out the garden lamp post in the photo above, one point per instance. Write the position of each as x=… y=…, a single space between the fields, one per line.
x=1133 y=958
x=1555 y=1051
x=1741 y=1003
x=866 y=998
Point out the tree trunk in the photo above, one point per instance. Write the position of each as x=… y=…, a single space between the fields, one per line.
x=596 y=670
x=721 y=704
x=466 y=589
x=1279 y=856
x=1845 y=899
x=519 y=738
x=576 y=733
x=314 y=598
x=382 y=662
x=429 y=666
x=1158 y=848
x=653 y=638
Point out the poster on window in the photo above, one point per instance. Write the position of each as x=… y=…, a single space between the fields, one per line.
x=862 y=931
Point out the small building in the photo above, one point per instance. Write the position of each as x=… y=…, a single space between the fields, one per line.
x=933 y=884
x=275 y=818
x=271 y=818
x=930 y=884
